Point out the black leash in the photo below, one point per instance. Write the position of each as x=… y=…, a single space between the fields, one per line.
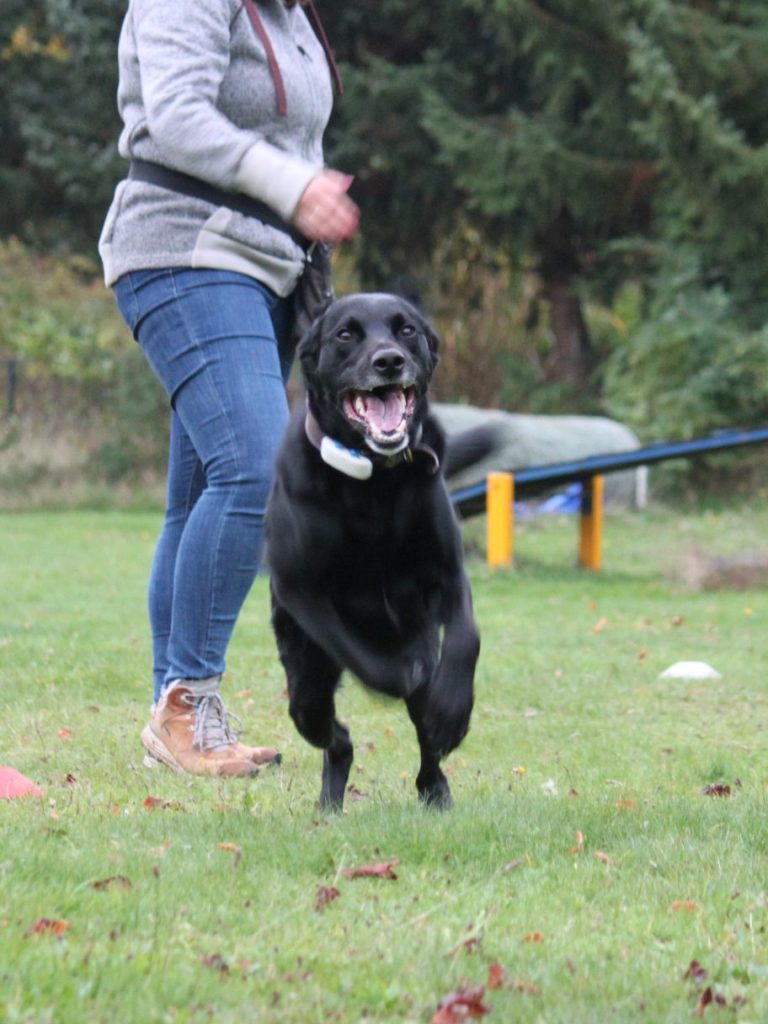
x=177 y=181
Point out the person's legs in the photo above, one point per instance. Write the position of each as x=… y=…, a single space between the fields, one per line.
x=186 y=480
x=210 y=337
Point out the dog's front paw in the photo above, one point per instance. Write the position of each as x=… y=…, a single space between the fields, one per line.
x=446 y=723
x=436 y=793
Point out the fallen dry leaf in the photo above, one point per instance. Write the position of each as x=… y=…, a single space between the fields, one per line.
x=533 y=937
x=602 y=857
x=217 y=962
x=513 y=865
x=717 y=789
x=48 y=926
x=689 y=905
x=704 y=1000
x=383 y=870
x=325 y=894
x=578 y=848
x=112 y=882
x=470 y=945
x=231 y=848
x=600 y=625
x=696 y=972
x=463 y=1004
x=64 y=733
x=497 y=977
x=154 y=803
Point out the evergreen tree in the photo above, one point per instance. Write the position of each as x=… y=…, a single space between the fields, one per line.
x=58 y=121
x=598 y=142
x=699 y=358
x=700 y=80
x=391 y=62
x=608 y=141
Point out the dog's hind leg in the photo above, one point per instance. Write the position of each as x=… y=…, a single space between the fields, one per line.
x=337 y=760
x=431 y=783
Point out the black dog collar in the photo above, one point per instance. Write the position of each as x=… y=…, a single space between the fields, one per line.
x=354 y=463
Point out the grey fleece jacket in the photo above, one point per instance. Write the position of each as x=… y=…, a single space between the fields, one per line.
x=196 y=95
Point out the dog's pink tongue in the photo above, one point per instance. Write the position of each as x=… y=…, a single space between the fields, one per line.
x=385 y=413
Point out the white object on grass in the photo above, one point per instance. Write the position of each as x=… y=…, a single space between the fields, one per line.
x=690 y=670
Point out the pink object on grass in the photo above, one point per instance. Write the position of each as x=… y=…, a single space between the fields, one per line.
x=13 y=784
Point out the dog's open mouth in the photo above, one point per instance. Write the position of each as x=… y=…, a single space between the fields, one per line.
x=384 y=414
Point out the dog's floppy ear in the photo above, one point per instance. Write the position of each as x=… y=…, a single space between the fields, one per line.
x=433 y=340
x=308 y=349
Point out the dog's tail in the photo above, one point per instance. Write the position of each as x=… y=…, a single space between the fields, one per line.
x=466 y=447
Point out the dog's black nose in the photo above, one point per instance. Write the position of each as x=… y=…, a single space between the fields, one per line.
x=389 y=361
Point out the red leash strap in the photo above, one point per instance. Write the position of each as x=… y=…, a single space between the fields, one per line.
x=321 y=35
x=274 y=67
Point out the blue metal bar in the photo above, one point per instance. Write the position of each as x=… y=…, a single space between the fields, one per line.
x=581 y=469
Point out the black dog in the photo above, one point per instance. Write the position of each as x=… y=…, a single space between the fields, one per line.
x=365 y=554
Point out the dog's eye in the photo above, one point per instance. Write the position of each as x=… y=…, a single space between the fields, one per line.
x=345 y=335
x=407 y=331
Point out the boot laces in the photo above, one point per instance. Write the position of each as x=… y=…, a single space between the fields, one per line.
x=212 y=721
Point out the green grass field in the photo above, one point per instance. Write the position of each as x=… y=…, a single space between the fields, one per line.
x=582 y=872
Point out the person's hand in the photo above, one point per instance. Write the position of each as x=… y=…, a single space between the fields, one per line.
x=325 y=213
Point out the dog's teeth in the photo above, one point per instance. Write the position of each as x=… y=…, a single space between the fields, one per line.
x=359 y=405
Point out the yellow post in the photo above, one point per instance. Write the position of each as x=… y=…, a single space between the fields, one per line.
x=591 y=539
x=500 y=495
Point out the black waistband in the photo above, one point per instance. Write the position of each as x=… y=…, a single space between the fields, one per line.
x=177 y=181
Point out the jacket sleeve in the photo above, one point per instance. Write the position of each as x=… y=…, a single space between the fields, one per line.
x=183 y=54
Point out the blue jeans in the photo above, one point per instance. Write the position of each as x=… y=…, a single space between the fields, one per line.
x=211 y=338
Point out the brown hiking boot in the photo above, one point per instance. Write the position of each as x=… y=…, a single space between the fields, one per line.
x=259 y=755
x=190 y=732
